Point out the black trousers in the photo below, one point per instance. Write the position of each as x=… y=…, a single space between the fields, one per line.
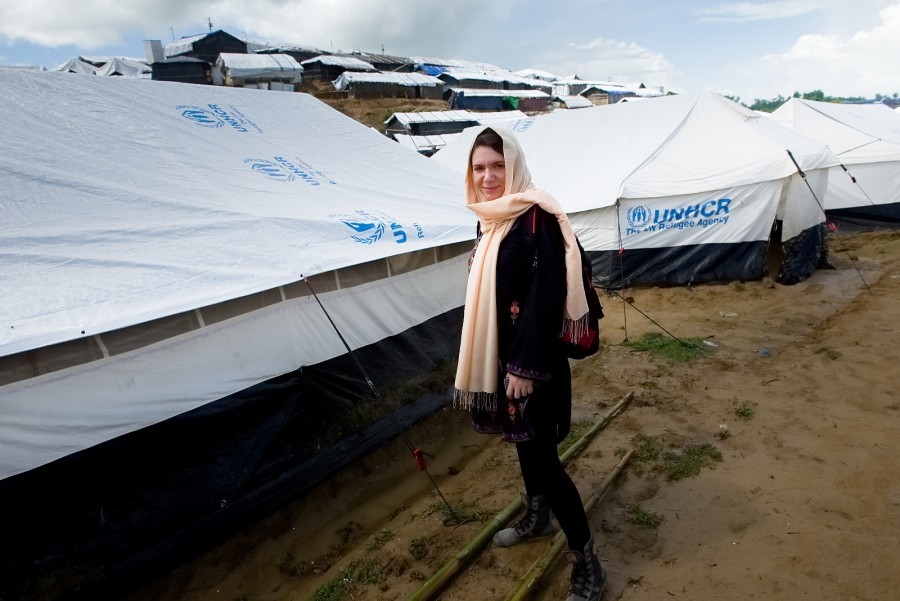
x=542 y=471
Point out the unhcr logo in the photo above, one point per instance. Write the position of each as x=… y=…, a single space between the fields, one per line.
x=704 y=214
x=200 y=116
x=270 y=169
x=369 y=228
x=638 y=216
x=520 y=125
x=215 y=116
x=368 y=232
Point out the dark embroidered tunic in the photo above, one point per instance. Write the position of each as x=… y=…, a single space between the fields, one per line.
x=531 y=294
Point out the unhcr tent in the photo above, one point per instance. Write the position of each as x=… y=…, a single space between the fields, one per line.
x=166 y=373
x=866 y=140
x=676 y=189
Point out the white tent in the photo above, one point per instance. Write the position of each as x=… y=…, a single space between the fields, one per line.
x=125 y=67
x=866 y=140
x=687 y=187
x=157 y=337
x=76 y=65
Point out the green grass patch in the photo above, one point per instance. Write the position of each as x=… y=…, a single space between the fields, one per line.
x=643 y=518
x=675 y=463
x=380 y=539
x=577 y=431
x=744 y=411
x=418 y=547
x=666 y=347
x=348 y=581
x=690 y=460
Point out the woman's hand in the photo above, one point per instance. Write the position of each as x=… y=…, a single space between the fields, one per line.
x=517 y=387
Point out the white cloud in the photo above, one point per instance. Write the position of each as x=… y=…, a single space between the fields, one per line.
x=349 y=24
x=613 y=60
x=753 y=11
x=862 y=64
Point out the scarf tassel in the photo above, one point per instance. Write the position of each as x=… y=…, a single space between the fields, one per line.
x=469 y=399
x=576 y=329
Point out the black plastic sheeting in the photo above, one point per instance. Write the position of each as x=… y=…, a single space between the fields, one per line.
x=678 y=265
x=138 y=505
x=802 y=255
x=866 y=218
x=703 y=263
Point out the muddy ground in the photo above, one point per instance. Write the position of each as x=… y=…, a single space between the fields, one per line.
x=797 y=394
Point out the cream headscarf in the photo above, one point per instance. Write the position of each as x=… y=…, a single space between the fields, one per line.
x=477 y=370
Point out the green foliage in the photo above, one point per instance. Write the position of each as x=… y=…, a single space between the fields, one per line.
x=380 y=539
x=643 y=518
x=577 y=431
x=342 y=587
x=768 y=106
x=667 y=347
x=418 y=547
x=690 y=460
x=744 y=411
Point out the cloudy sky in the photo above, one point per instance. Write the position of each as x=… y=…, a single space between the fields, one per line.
x=751 y=49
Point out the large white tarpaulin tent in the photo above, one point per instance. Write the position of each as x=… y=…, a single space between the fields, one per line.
x=866 y=140
x=162 y=360
x=676 y=189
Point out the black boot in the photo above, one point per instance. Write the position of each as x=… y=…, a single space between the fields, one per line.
x=534 y=524
x=588 y=576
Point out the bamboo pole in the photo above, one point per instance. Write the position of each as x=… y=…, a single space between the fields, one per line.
x=455 y=564
x=542 y=564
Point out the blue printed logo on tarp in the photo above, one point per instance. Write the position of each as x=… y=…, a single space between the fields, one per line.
x=638 y=216
x=200 y=116
x=520 y=125
x=270 y=169
x=369 y=233
x=215 y=116
x=708 y=213
x=282 y=169
x=370 y=227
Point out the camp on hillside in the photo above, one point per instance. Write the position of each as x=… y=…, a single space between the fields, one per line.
x=183 y=270
x=677 y=190
x=865 y=138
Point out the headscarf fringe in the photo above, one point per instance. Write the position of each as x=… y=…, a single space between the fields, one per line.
x=576 y=328
x=469 y=399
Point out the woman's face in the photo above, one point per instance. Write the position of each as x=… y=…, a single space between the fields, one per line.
x=488 y=172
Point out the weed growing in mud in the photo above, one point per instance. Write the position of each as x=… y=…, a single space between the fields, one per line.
x=690 y=460
x=643 y=518
x=342 y=587
x=577 y=431
x=380 y=539
x=676 y=464
x=418 y=547
x=668 y=348
x=744 y=411
x=463 y=513
x=647 y=450
x=831 y=353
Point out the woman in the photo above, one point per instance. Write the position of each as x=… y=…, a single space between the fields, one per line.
x=512 y=373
